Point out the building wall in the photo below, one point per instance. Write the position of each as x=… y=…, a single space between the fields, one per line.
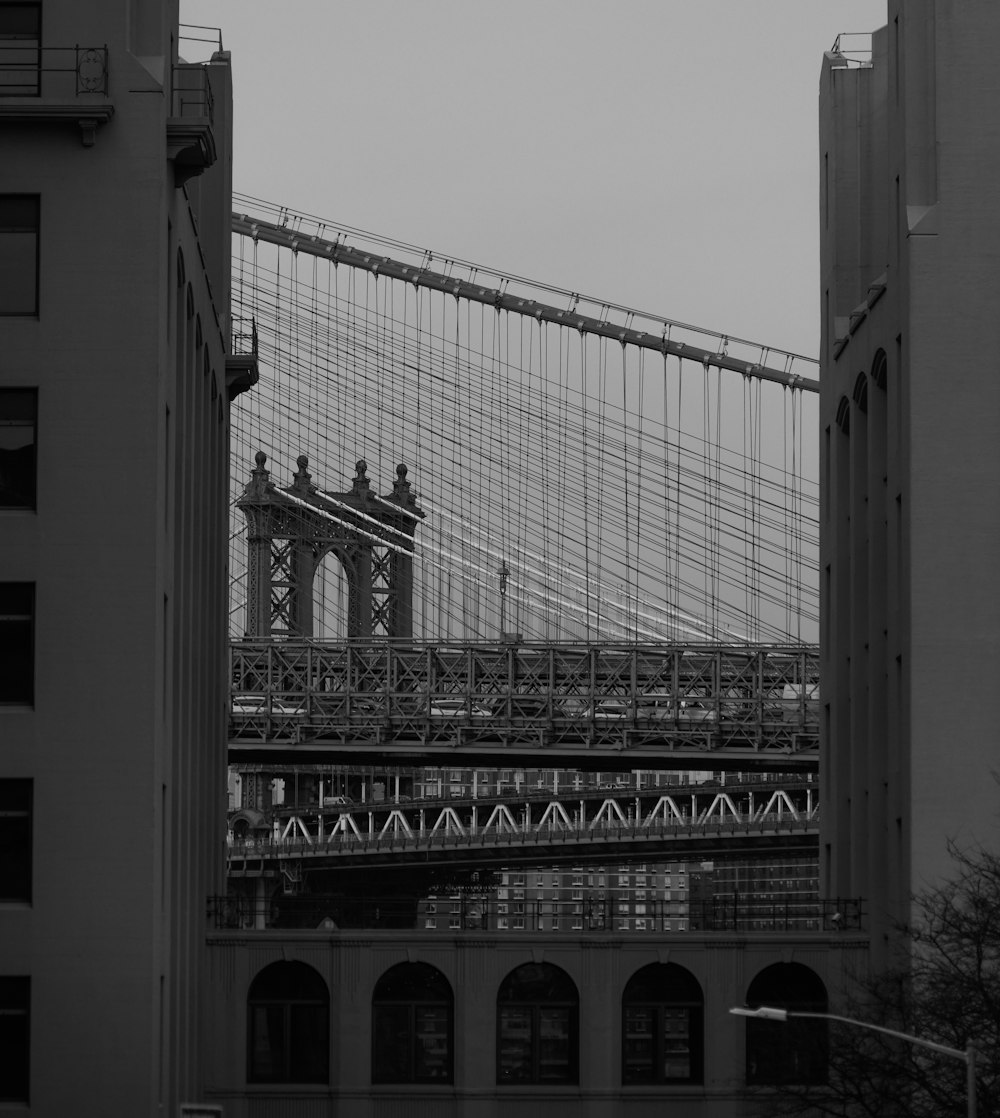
x=124 y=743
x=351 y=963
x=909 y=155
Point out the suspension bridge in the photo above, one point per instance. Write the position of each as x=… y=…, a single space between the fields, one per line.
x=599 y=540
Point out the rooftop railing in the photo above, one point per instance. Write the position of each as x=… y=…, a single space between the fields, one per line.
x=197 y=39
x=855 y=47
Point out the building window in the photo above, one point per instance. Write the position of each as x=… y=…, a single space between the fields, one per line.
x=20 y=43
x=662 y=1015
x=17 y=655
x=18 y=418
x=15 y=1001
x=777 y=1054
x=18 y=253
x=412 y=1015
x=15 y=841
x=288 y=1023
x=537 y=1026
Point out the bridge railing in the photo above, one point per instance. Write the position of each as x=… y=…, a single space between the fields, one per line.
x=764 y=695
x=595 y=912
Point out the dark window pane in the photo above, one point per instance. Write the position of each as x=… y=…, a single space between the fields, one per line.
x=676 y=1043
x=391 y=1044
x=19 y=216
x=639 y=1045
x=515 y=1044
x=20 y=39
x=662 y=1025
x=411 y=1035
x=15 y=840
x=554 y=1045
x=267 y=1044
x=537 y=1036
x=288 y=1013
x=15 y=997
x=777 y=1054
x=432 y=1055
x=308 y=1043
x=16 y=642
x=18 y=417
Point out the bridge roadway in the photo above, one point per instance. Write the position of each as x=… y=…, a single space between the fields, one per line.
x=568 y=705
x=655 y=823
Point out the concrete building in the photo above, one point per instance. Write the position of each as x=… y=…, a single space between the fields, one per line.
x=115 y=378
x=493 y=1024
x=910 y=247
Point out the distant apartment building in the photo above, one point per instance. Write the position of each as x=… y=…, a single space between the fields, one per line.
x=622 y=898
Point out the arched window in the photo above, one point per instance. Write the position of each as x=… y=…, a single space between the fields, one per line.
x=537 y=1026
x=793 y=1051
x=288 y=1026
x=412 y=1026
x=880 y=369
x=844 y=415
x=662 y=1026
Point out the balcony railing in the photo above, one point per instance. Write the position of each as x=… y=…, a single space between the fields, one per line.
x=244 y=338
x=52 y=72
x=606 y=911
x=192 y=93
x=241 y=363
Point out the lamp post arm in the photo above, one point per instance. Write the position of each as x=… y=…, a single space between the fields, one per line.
x=968 y=1055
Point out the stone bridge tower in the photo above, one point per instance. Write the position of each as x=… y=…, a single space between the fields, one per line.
x=291 y=530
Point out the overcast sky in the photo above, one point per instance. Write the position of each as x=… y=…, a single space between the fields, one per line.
x=661 y=154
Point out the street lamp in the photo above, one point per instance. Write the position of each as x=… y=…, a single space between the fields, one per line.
x=772 y=1013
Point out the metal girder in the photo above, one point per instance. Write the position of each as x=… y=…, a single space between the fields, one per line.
x=476 y=829
x=340 y=253
x=562 y=705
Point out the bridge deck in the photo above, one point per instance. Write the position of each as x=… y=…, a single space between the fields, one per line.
x=674 y=822
x=578 y=705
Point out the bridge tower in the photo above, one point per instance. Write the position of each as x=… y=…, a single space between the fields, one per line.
x=291 y=530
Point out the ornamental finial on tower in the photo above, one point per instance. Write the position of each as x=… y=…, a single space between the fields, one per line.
x=401 y=487
x=302 y=477
x=361 y=485
x=260 y=478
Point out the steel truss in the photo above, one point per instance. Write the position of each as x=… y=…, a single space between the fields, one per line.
x=577 y=704
x=537 y=828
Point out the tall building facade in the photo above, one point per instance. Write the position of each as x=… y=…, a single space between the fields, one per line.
x=910 y=245
x=115 y=378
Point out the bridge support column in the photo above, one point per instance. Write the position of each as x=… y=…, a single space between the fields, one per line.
x=260 y=904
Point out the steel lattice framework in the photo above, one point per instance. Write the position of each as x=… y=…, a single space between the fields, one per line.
x=571 y=705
